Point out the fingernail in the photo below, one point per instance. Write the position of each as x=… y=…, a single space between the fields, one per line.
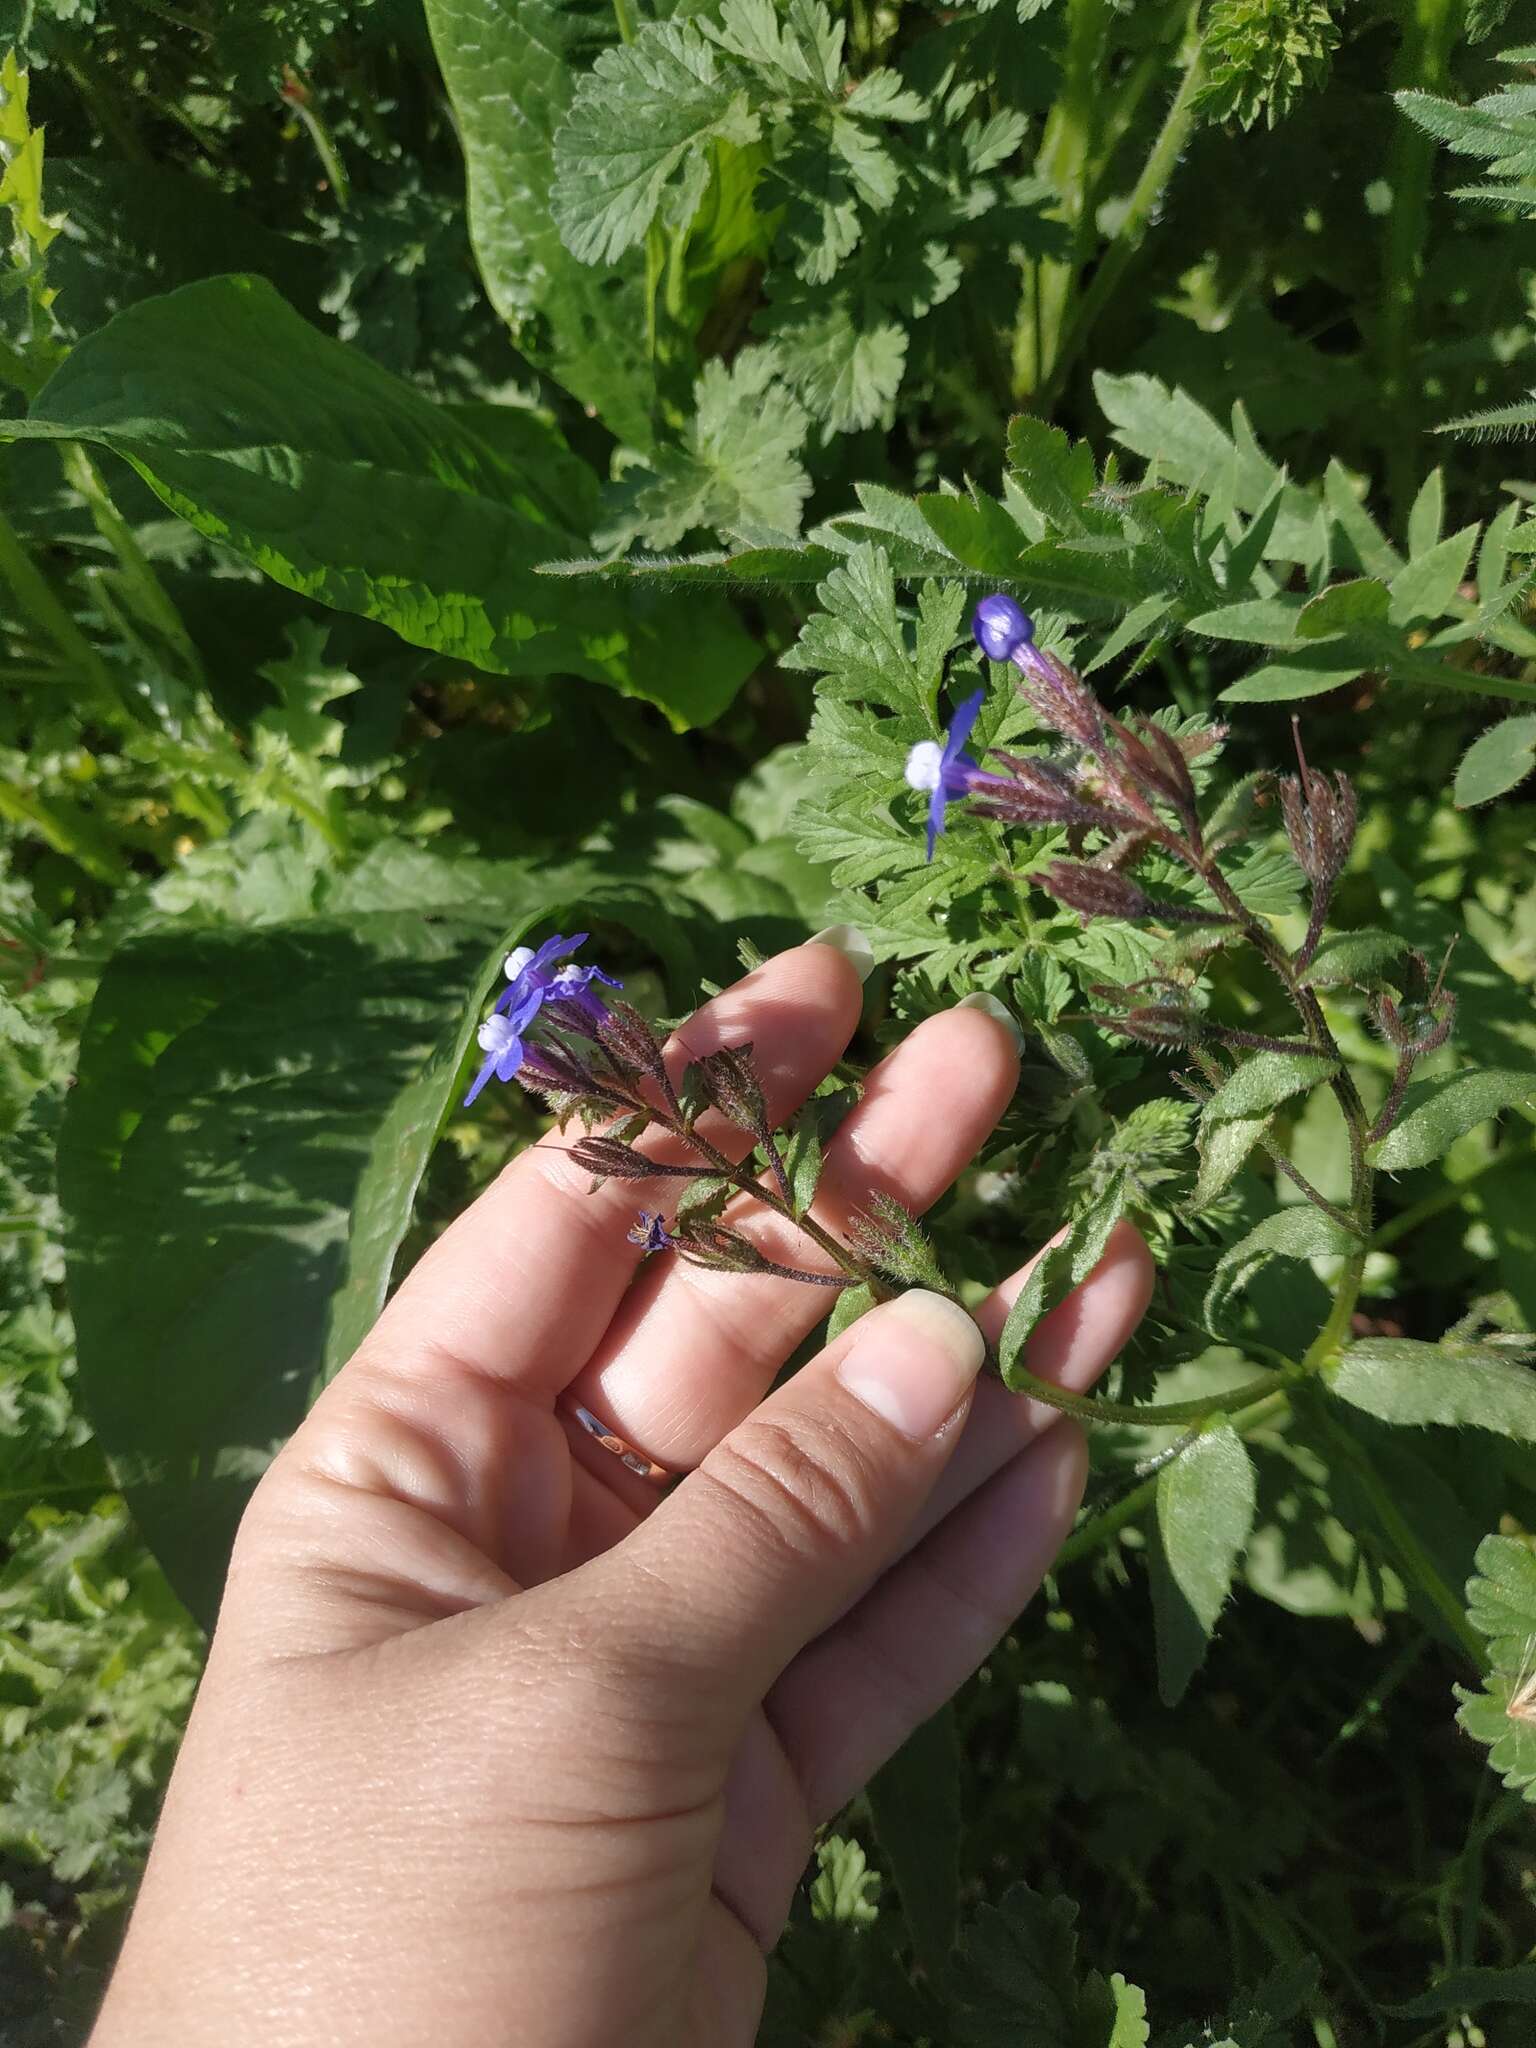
x=989 y=1006
x=848 y=940
x=914 y=1361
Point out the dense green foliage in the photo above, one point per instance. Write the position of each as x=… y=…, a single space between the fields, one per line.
x=477 y=464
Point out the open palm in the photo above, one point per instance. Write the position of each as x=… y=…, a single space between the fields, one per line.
x=542 y=1745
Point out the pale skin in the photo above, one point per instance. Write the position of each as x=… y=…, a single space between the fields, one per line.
x=499 y=1743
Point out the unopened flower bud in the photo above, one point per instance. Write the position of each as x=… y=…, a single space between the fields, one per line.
x=1001 y=627
x=612 y=1159
x=1093 y=892
x=728 y=1080
x=1160 y=1024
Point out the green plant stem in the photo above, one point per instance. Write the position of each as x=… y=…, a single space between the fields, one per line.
x=1448 y=1196
x=1065 y=158
x=1089 y=1409
x=34 y=594
x=1146 y=194
x=1094 y=1534
x=1430 y=29
x=1331 y=1336
x=325 y=149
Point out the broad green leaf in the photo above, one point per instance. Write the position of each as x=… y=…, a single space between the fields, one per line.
x=253 y=1114
x=1436 y=1112
x=1501 y=1714
x=641 y=119
x=508 y=67
x=915 y=1804
x=1344 y=957
x=1470 y=1990
x=1059 y=1268
x=1263 y=1081
x=1016 y=1980
x=1205 y=1508
x=350 y=486
x=1496 y=761
x=1302 y=1232
x=1401 y=1381
x=977 y=531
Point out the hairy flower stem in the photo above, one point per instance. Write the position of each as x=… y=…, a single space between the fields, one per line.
x=742 y=1178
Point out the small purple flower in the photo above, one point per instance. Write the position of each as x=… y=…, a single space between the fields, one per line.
x=651 y=1232
x=534 y=979
x=501 y=1042
x=944 y=769
x=532 y=976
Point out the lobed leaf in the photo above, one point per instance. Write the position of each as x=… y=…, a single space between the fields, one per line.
x=1059 y=1268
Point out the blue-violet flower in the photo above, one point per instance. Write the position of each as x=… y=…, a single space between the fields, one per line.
x=533 y=979
x=1004 y=631
x=944 y=769
x=651 y=1232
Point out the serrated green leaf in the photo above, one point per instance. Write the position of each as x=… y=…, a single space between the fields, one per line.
x=1308 y=673
x=735 y=470
x=1266 y=621
x=640 y=120
x=1501 y=1606
x=1436 y=1112
x=1204 y=1515
x=1401 y=1381
x=1016 y=1980
x=1059 y=1268
x=1302 y=1232
x=346 y=484
x=1496 y=761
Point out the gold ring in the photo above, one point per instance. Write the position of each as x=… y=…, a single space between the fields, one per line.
x=631 y=1459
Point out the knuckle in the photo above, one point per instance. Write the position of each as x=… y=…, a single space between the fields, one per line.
x=806 y=1487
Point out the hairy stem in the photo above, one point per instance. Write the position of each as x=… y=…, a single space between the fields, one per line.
x=1089 y=1408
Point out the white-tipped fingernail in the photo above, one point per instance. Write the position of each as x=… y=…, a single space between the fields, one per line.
x=989 y=1006
x=848 y=940
x=913 y=1362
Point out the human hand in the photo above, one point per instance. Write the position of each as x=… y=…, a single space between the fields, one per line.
x=498 y=1742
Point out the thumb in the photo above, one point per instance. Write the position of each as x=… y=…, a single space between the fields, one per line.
x=802 y=1506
